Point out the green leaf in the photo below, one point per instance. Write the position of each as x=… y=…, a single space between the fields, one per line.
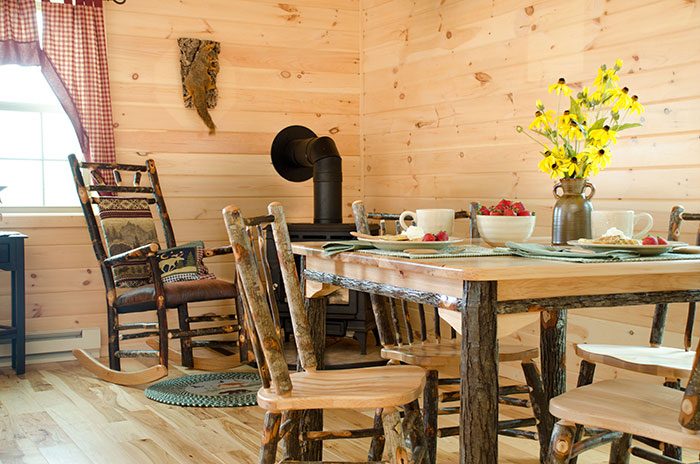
x=628 y=125
x=598 y=124
x=575 y=109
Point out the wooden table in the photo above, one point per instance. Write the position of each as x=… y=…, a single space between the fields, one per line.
x=12 y=259
x=481 y=288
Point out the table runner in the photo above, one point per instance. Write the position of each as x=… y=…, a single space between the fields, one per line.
x=468 y=251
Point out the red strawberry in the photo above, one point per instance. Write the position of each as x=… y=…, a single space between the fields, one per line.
x=442 y=236
x=429 y=238
x=497 y=212
x=519 y=206
x=649 y=240
x=484 y=211
x=661 y=241
x=504 y=203
x=509 y=212
x=524 y=212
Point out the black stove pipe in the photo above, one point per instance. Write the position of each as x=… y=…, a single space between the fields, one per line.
x=298 y=154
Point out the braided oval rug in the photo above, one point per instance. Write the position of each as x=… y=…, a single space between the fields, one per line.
x=212 y=390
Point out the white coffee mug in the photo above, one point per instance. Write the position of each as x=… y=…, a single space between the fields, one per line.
x=431 y=221
x=626 y=221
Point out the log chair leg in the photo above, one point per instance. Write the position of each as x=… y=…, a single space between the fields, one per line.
x=291 y=442
x=113 y=337
x=312 y=419
x=553 y=358
x=620 y=449
x=270 y=437
x=586 y=373
x=414 y=435
x=162 y=336
x=185 y=342
x=396 y=452
x=376 y=447
x=672 y=451
x=478 y=435
x=540 y=405
x=430 y=414
x=562 y=443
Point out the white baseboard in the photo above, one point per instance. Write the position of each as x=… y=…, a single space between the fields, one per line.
x=55 y=345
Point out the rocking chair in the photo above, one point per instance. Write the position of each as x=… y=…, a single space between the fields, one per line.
x=139 y=276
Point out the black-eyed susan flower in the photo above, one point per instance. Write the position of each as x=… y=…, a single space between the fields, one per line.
x=542 y=120
x=635 y=106
x=624 y=100
x=560 y=87
x=603 y=136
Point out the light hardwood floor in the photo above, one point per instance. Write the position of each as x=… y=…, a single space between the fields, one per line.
x=59 y=413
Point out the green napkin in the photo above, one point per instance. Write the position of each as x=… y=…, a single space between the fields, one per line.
x=332 y=248
x=535 y=250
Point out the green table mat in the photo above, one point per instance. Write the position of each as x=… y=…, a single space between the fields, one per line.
x=468 y=251
x=537 y=251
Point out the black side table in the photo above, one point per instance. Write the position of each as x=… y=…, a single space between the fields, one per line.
x=12 y=259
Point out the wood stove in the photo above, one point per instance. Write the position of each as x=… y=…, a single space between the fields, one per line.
x=299 y=155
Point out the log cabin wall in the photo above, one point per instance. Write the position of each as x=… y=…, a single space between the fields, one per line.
x=446 y=82
x=281 y=64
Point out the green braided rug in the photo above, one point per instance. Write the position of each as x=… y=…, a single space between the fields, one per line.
x=215 y=390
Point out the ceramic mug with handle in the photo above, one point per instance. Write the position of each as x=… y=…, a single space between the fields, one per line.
x=431 y=221
x=626 y=221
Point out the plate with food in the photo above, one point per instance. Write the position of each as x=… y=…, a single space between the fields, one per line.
x=412 y=238
x=614 y=239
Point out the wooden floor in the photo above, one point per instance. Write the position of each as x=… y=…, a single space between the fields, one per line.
x=59 y=413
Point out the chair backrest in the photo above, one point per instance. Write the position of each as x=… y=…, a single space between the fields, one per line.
x=393 y=316
x=676 y=218
x=106 y=196
x=248 y=243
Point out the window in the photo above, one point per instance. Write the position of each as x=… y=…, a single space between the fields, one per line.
x=36 y=136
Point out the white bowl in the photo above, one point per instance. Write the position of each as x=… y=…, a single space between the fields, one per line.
x=497 y=230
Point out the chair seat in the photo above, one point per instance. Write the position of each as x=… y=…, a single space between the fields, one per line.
x=365 y=388
x=176 y=293
x=660 y=361
x=627 y=406
x=449 y=352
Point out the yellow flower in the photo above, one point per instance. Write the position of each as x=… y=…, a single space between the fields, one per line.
x=539 y=105
x=601 y=137
x=635 y=106
x=618 y=64
x=542 y=120
x=624 y=101
x=604 y=76
x=565 y=121
x=572 y=131
x=560 y=87
x=598 y=156
x=555 y=167
x=590 y=170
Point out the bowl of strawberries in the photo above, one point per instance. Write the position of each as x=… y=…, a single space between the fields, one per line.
x=507 y=221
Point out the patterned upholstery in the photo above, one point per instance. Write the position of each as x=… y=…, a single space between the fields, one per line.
x=127 y=223
x=183 y=263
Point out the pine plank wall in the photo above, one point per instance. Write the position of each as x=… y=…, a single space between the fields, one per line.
x=422 y=98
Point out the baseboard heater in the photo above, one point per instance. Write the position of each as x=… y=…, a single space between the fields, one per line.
x=55 y=345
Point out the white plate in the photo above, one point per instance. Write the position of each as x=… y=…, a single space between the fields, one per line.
x=391 y=245
x=643 y=250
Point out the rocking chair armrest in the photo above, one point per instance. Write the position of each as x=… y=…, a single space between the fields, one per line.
x=139 y=253
x=218 y=251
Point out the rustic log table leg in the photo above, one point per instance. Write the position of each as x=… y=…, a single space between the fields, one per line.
x=478 y=435
x=553 y=358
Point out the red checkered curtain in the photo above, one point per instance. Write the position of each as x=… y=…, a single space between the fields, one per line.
x=75 y=66
x=19 y=40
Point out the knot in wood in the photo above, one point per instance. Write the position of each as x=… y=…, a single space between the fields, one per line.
x=688 y=406
x=562 y=446
x=271 y=343
x=238 y=251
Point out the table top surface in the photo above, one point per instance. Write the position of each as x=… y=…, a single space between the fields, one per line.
x=501 y=267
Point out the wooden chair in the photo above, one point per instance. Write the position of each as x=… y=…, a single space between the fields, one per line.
x=433 y=353
x=156 y=295
x=282 y=393
x=621 y=409
x=673 y=364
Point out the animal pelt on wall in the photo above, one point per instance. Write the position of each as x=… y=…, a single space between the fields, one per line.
x=199 y=66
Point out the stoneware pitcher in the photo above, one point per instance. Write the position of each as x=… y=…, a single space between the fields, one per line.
x=571 y=219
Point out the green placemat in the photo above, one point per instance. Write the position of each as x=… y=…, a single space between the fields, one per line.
x=468 y=251
x=215 y=390
x=566 y=254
